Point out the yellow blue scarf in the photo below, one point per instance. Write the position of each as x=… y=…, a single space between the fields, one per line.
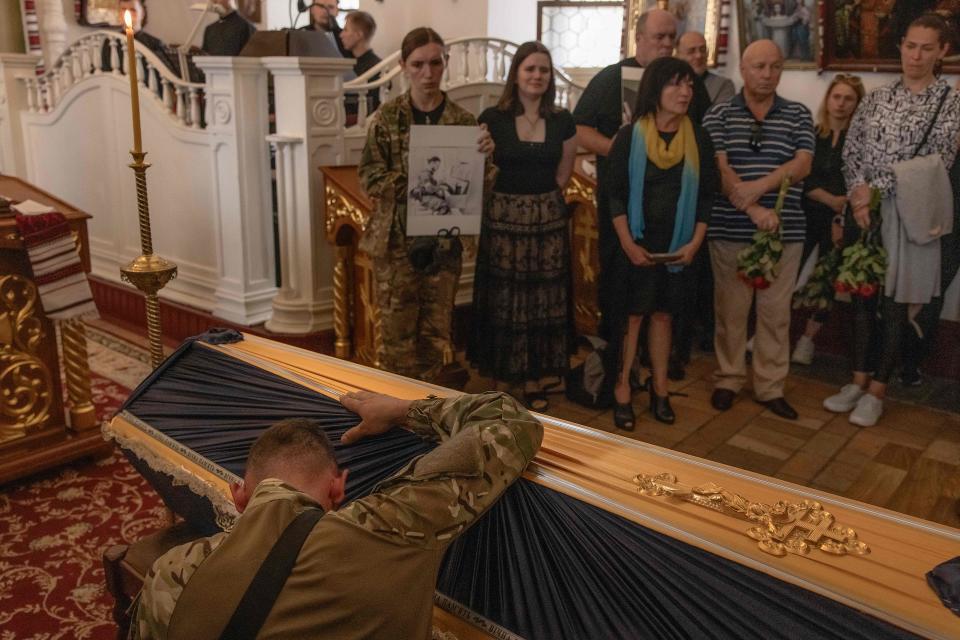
x=647 y=144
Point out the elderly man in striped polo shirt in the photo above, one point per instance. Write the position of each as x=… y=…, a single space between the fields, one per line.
x=759 y=138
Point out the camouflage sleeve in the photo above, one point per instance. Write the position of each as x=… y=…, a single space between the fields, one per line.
x=379 y=178
x=486 y=442
x=164 y=584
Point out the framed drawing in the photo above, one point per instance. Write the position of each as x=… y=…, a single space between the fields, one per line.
x=864 y=35
x=444 y=180
x=98 y=13
x=692 y=15
x=792 y=24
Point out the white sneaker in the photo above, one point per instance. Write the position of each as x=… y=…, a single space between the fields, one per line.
x=803 y=352
x=844 y=401
x=868 y=411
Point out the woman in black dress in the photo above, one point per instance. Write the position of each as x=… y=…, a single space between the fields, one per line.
x=824 y=190
x=522 y=330
x=662 y=182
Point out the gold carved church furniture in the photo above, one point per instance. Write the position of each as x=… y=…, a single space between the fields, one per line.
x=36 y=431
x=355 y=311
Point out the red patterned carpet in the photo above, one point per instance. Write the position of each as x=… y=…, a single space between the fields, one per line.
x=54 y=528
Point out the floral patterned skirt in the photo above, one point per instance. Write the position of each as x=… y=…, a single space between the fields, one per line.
x=522 y=321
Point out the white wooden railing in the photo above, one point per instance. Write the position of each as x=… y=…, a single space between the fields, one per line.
x=86 y=58
x=471 y=61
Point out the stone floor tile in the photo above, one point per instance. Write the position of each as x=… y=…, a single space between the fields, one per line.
x=919 y=492
x=837 y=477
x=840 y=425
x=944 y=451
x=876 y=484
x=898 y=456
x=825 y=444
x=743 y=459
x=759 y=446
x=802 y=466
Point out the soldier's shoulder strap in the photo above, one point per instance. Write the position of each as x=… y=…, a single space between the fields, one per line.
x=258 y=600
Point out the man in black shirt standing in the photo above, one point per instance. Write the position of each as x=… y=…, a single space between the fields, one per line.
x=357 y=33
x=323 y=17
x=356 y=36
x=599 y=115
x=228 y=35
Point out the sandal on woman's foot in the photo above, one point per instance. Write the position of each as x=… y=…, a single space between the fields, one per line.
x=623 y=415
x=536 y=400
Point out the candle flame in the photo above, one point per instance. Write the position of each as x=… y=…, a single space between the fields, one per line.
x=128 y=18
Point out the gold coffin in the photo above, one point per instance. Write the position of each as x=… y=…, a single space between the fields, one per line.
x=868 y=558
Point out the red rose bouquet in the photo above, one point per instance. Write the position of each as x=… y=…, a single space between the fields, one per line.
x=864 y=263
x=759 y=264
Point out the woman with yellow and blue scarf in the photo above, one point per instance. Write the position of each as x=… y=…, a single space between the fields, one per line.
x=663 y=178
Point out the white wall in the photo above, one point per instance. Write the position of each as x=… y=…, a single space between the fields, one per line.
x=450 y=18
x=514 y=20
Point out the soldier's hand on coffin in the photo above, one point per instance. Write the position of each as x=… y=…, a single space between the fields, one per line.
x=485 y=143
x=378 y=413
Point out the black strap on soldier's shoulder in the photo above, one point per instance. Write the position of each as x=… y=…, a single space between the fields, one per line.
x=933 y=121
x=258 y=600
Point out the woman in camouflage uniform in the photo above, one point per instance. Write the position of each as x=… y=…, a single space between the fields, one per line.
x=415 y=304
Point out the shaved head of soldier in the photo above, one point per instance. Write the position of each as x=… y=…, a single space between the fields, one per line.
x=761 y=66
x=297 y=452
x=656 y=35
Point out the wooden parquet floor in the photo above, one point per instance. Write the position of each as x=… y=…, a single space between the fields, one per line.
x=909 y=462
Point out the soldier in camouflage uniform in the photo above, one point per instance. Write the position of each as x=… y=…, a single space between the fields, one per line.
x=415 y=306
x=368 y=570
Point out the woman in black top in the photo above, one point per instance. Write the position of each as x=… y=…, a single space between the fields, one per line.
x=825 y=191
x=522 y=330
x=662 y=182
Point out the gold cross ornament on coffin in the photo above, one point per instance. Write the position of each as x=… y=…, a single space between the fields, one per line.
x=782 y=528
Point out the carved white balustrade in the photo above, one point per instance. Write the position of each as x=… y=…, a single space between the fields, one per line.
x=472 y=61
x=101 y=52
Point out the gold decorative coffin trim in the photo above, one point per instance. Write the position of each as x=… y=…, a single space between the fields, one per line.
x=782 y=528
x=599 y=468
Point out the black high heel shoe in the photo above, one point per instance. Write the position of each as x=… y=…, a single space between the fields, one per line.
x=660 y=407
x=623 y=415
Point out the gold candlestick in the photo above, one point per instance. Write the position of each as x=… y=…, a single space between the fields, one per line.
x=148 y=273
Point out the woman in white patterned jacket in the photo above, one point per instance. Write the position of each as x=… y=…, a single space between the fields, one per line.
x=915 y=116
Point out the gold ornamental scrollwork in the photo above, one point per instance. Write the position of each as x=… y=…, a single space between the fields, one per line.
x=20 y=325
x=339 y=207
x=781 y=528
x=25 y=381
x=578 y=188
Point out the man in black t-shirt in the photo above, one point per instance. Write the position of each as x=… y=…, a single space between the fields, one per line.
x=599 y=115
x=357 y=33
x=323 y=17
x=228 y=35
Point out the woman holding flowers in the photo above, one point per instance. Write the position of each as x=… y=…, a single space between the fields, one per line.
x=895 y=132
x=825 y=193
x=661 y=188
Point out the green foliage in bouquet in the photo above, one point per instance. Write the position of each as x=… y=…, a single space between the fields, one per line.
x=759 y=264
x=864 y=263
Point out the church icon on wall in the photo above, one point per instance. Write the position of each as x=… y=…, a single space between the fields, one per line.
x=792 y=24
